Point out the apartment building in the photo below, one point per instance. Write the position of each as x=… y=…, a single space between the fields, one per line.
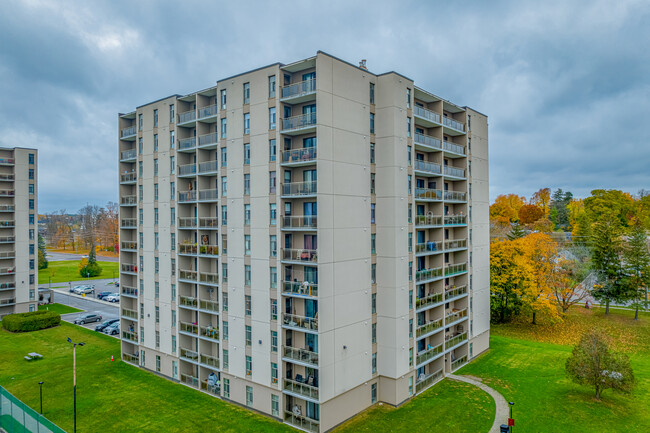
x=18 y=230
x=305 y=240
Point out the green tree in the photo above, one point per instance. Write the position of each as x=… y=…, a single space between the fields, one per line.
x=42 y=256
x=517 y=231
x=559 y=208
x=613 y=203
x=637 y=267
x=582 y=232
x=592 y=364
x=606 y=251
x=92 y=255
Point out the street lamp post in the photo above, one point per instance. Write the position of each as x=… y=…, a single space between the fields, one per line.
x=511 y=403
x=41 y=385
x=74 y=378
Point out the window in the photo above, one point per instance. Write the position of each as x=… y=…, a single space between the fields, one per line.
x=155 y=167
x=372 y=123
x=373 y=303
x=173 y=326
x=410 y=328
x=408 y=127
x=156 y=264
x=249 y=370
x=140 y=168
x=172 y=165
x=272 y=183
x=247 y=93
x=275 y=401
x=372 y=213
x=274 y=341
x=272 y=118
x=226 y=382
x=372 y=93
x=224 y=300
x=31 y=158
x=32 y=249
x=155 y=191
x=31 y=204
x=374 y=370
x=157 y=314
x=173 y=338
x=249 y=335
x=247 y=153
x=410 y=271
x=156 y=241
x=223 y=99
x=411 y=299
x=274 y=277
x=373 y=244
x=373 y=273
x=273 y=245
x=247 y=275
x=155 y=216
x=410 y=213
x=173 y=215
x=272 y=86
x=224 y=157
x=172 y=116
x=247 y=245
x=410 y=244
x=31 y=173
x=224 y=272
x=223 y=128
x=374 y=333
x=224 y=219
x=155 y=118
x=273 y=213
x=408 y=98
x=372 y=183
x=31 y=218
x=140 y=192
x=224 y=186
x=224 y=330
x=31 y=234
x=140 y=122
x=32 y=294
x=411 y=385
x=224 y=243
x=408 y=155
x=272 y=150
x=31 y=189
x=172 y=193
x=410 y=357
x=249 y=391
x=274 y=372
x=155 y=142
x=247 y=299
x=175 y=369
x=247 y=214
x=372 y=153
x=140 y=146
x=157 y=347
x=31 y=264
x=247 y=124
x=173 y=266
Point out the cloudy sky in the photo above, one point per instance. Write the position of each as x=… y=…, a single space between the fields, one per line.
x=566 y=84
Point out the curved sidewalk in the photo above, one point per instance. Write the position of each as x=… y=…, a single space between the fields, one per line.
x=501 y=415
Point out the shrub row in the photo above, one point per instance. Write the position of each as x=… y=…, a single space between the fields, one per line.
x=25 y=322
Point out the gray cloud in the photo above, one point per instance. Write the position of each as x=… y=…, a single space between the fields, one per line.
x=564 y=83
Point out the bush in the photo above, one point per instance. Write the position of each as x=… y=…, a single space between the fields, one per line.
x=88 y=269
x=33 y=321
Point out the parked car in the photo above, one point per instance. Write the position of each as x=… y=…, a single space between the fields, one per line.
x=88 y=318
x=113 y=329
x=102 y=295
x=105 y=324
x=87 y=290
x=73 y=289
x=113 y=297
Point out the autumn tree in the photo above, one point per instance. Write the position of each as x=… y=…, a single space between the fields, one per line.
x=592 y=363
x=637 y=267
x=542 y=199
x=539 y=251
x=509 y=279
x=529 y=213
x=570 y=283
x=610 y=203
x=505 y=209
x=606 y=251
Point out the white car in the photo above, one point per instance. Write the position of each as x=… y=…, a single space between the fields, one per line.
x=83 y=289
x=113 y=297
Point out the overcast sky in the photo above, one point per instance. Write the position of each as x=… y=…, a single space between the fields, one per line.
x=566 y=84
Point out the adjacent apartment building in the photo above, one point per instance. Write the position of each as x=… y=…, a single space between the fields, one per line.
x=305 y=240
x=18 y=230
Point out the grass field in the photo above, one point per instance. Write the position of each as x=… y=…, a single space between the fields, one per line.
x=68 y=270
x=59 y=308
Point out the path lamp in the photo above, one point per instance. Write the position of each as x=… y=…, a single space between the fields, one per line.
x=511 y=421
x=74 y=378
x=41 y=385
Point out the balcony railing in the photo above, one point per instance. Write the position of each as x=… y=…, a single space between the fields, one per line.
x=208 y=139
x=209 y=305
x=131 y=130
x=209 y=278
x=454 y=316
x=426 y=114
x=208 y=167
x=429 y=353
x=302 y=355
x=210 y=332
x=7 y=161
x=7 y=224
x=310 y=323
x=299 y=188
x=190 y=380
x=187 y=222
x=133 y=359
x=211 y=110
x=300 y=288
x=187 y=143
x=300 y=255
x=7 y=301
x=212 y=389
x=187 y=249
x=428 y=247
x=299 y=89
x=298 y=122
x=187 y=301
x=7 y=208
x=427 y=140
x=457 y=291
x=187 y=169
x=455 y=269
x=454 y=171
x=189 y=327
x=301 y=388
x=455 y=244
x=428 y=220
x=187 y=116
x=209 y=250
x=132 y=268
x=4 y=286
x=423 y=381
x=131 y=314
x=428 y=194
x=129 y=245
x=7 y=177
x=428 y=327
x=7 y=239
x=453 y=147
x=129 y=200
x=427 y=274
x=457 y=363
x=451 y=342
x=428 y=300
x=209 y=360
x=129 y=154
x=187 y=275
x=455 y=124
x=301 y=421
x=128 y=177
x=208 y=195
x=129 y=291
x=429 y=167
x=299 y=155
x=300 y=222
x=131 y=336
x=192 y=355
x=455 y=219
x=455 y=196
x=186 y=196
x=129 y=223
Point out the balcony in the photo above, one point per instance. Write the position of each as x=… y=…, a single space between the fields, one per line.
x=299 y=92
x=7 y=161
x=455 y=316
x=209 y=278
x=187 y=301
x=131 y=292
x=302 y=256
x=455 y=244
x=303 y=223
x=208 y=223
x=209 y=250
x=302 y=422
x=299 y=189
x=7 y=301
x=133 y=359
x=426 y=142
x=428 y=274
x=187 y=249
x=7 y=271
x=7 y=193
x=211 y=389
x=208 y=167
x=424 y=382
x=190 y=328
x=187 y=223
x=208 y=141
x=426 y=194
x=209 y=361
x=208 y=113
x=187 y=170
x=128 y=245
x=7 y=208
x=424 y=168
x=129 y=269
x=430 y=353
x=129 y=200
x=128 y=133
x=299 y=288
x=189 y=355
x=129 y=314
x=298 y=157
x=7 y=286
x=451 y=270
x=208 y=195
x=453 y=125
x=211 y=306
x=455 y=220
x=7 y=239
x=186 y=196
x=129 y=156
x=187 y=144
x=7 y=224
x=428 y=220
x=128 y=178
x=190 y=380
x=300 y=322
x=457 y=363
x=7 y=177
x=187 y=275
x=129 y=223
x=429 y=247
x=426 y=117
x=300 y=388
x=130 y=336
x=428 y=327
x=455 y=292
x=187 y=117
x=301 y=355
x=453 y=149
x=454 y=341
x=428 y=301
x=454 y=172
x=209 y=332
x=455 y=196
x=300 y=124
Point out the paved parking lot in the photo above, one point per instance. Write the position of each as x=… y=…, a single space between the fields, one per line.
x=88 y=304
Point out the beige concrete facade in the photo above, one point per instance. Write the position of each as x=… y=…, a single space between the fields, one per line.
x=312 y=235
x=18 y=230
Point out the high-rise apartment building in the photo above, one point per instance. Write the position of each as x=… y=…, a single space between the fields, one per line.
x=305 y=239
x=18 y=230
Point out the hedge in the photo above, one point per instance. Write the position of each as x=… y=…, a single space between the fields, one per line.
x=25 y=322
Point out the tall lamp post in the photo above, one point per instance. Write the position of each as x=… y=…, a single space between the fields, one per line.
x=511 y=421
x=41 y=385
x=74 y=378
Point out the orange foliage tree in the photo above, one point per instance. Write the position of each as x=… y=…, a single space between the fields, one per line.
x=529 y=213
x=539 y=251
x=505 y=209
x=542 y=199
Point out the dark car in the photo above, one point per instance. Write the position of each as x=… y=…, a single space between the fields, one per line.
x=88 y=318
x=113 y=329
x=107 y=323
x=101 y=295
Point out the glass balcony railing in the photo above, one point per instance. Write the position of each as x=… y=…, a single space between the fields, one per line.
x=208 y=111
x=7 y=193
x=423 y=381
x=7 y=208
x=129 y=200
x=190 y=249
x=129 y=245
x=129 y=291
x=5 y=224
x=129 y=223
x=209 y=332
x=455 y=244
x=128 y=177
x=187 y=222
x=299 y=155
x=457 y=363
x=208 y=195
x=299 y=122
x=187 y=143
x=455 y=316
x=187 y=116
x=209 y=278
x=210 y=360
x=453 y=341
x=300 y=288
x=187 y=301
x=187 y=169
x=455 y=291
x=133 y=359
x=301 y=388
x=188 y=354
x=451 y=270
x=427 y=274
x=8 y=301
x=129 y=268
x=209 y=306
x=432 y=299
x=208 y=167
x=455 y=196
x=453 y=147
x=300 y=255
x=428 y=194
x=429 y=353
x=428 y=327
x=295 y=418
x=208 y=139
x=454 y=171
x=455 y=219
x=429 y=115
x=190 y=380
x=302 y=355
x=129 y=154
x=187 y=275
x=428 y=220
x=300 y=222
x=186 y=196
x=428 y=141
x=428 y=167
x=131 y=336
x=454 y=124
x=7 y=239
x=131 y=314
x=299 y=188
x=299 y=89
x=207 y=222
x=189 y=327
x=209 y=250
x=294 y=320
x=428 y=247
x=127 y=132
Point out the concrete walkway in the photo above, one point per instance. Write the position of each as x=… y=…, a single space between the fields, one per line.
x=501 y=416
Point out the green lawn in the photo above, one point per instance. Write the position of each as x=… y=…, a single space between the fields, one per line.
x=68 y=270
x=59 y=308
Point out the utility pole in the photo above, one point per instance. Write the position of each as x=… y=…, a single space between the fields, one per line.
x=74 y=378
x=41 y=386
